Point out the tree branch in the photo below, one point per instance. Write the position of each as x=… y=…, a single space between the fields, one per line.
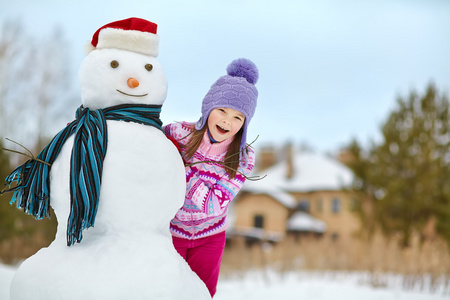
x=29 y=155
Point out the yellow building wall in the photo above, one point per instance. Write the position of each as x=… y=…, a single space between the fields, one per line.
x=342 y=224
x=250 y=205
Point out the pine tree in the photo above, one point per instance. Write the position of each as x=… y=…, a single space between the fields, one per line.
x=407 y=174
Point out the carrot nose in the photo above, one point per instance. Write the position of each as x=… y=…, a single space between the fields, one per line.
x=132 y=82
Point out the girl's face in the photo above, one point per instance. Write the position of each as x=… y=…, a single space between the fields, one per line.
x=224 y=123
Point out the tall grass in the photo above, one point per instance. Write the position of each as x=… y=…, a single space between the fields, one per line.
x=423 y=265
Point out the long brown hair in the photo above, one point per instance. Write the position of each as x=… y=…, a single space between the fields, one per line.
x=232 y=158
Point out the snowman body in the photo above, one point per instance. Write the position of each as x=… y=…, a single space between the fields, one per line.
x=128 y=254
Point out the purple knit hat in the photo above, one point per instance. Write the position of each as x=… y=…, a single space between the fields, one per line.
x=236 y=90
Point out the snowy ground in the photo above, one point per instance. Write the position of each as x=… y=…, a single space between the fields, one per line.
x=310 y=286
x=322 y=286
x=6 y=274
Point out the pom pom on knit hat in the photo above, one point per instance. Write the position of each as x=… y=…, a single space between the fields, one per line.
x=235 y=90
x=242 y=67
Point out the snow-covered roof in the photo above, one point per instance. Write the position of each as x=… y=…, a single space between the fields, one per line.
x=256 y=233
x=311 y=172
x=301 y=221
x=280 y=196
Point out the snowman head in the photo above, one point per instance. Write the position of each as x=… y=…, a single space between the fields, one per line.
x=121 y=66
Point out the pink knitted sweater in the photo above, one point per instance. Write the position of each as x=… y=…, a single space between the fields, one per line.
x=209 y=190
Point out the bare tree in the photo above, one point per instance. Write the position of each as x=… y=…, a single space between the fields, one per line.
x=34 y=85
x=14 y=58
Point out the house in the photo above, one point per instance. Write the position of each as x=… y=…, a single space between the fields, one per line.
x=304 y=193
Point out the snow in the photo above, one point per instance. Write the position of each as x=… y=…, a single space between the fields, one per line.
x=282 y=197
x=262 y=285
x=128 y=253
x=6 y=275
x=293 y=286
x=257 y=233
x=302 y=221
x=311 y=171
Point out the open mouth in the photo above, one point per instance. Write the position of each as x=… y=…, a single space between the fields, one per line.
x=132 y=95
x=221 y=130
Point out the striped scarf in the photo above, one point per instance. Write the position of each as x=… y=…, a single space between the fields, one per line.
x=32 y=190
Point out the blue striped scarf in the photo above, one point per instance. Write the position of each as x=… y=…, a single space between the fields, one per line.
x=32 y=190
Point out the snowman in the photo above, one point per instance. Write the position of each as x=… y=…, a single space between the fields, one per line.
x=115 y=182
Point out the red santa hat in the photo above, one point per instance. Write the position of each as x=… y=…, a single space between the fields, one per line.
x=133 y=34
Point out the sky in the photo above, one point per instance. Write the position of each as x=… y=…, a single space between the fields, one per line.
x=330 y=71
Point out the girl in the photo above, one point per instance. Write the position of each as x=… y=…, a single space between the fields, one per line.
x=217 y=161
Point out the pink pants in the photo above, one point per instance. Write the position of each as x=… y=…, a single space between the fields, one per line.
x=203 y=256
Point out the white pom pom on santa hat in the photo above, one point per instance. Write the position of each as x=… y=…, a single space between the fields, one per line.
x=133 y=34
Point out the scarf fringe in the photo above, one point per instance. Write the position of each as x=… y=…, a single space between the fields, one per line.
x=35 y=204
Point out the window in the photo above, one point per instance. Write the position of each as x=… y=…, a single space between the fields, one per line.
x=334 y=236
x=258 y=221
x=319 y=205
x=304 y=205
x=336 y=205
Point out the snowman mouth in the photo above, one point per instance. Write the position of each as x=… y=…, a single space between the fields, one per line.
x=131 y=95
x=221 y=130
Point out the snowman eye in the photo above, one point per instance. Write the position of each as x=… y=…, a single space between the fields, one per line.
x=149 y=67
x=114 y=64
